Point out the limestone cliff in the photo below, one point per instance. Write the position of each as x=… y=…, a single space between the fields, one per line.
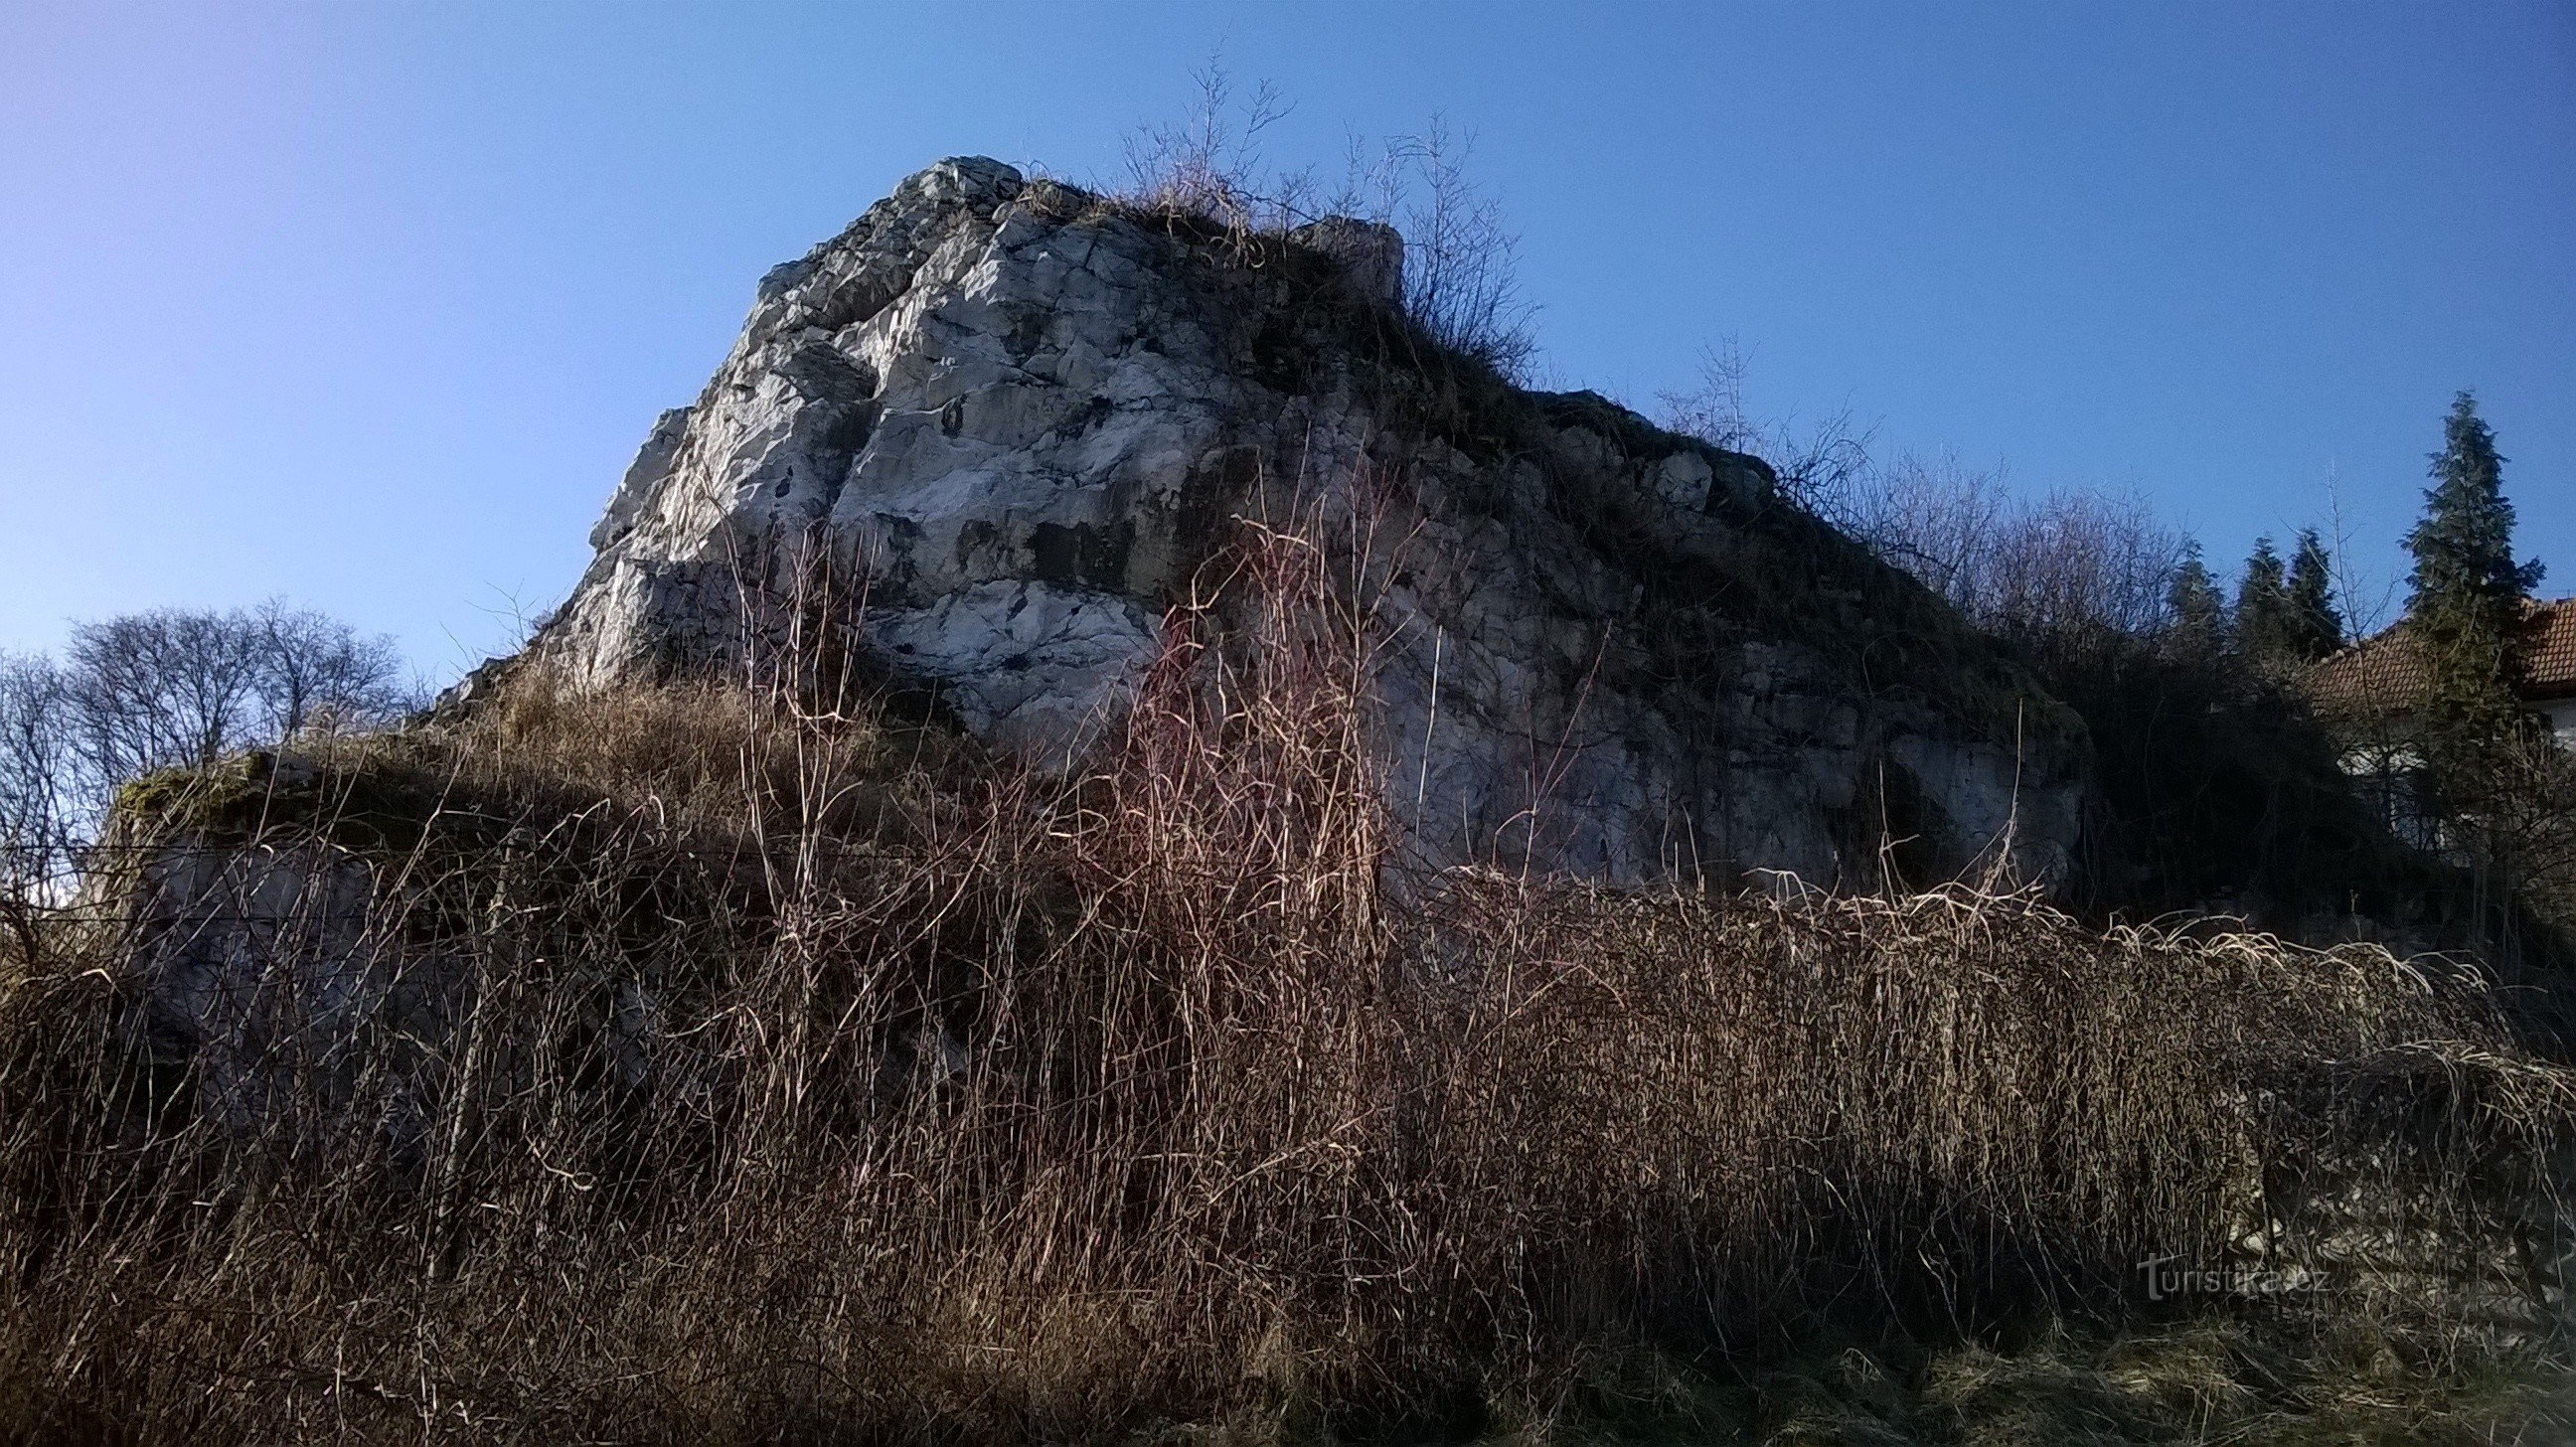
x=1015 y=417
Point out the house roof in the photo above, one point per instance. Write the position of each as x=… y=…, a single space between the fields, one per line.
x=2384 y=673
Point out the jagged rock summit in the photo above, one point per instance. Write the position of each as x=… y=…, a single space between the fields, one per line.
x=1015 y=418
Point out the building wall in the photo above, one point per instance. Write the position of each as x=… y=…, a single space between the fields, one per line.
x=2561 y=714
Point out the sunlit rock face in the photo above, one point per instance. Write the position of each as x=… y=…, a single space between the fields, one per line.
x=1011 y=421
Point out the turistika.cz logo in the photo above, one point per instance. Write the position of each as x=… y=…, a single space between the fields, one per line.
x=2167 y=1277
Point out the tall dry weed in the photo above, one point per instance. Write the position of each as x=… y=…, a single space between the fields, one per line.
x=738 y=1068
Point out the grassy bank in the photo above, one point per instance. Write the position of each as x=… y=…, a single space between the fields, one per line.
x=703 y=1065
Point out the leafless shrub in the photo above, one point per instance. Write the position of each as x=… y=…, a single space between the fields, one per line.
x=1461 y=279
x=1210 y=165
x=1823 y=466
x=2067 y=573
x=1461 y=282
x=1713 y=409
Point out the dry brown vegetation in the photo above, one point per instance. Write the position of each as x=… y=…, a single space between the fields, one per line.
x=771 y=1071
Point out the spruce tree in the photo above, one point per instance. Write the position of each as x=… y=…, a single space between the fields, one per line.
x=2263 y=610
x=2315 y=624
x=2199 y=615
x=2467 y=600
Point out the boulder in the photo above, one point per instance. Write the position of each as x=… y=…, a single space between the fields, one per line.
x=1010 y=420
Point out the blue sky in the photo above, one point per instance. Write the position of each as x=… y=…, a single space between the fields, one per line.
x=368 y=304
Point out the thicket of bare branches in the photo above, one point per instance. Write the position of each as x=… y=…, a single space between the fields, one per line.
x=1461 y=283
x=2067 y=571
x=1824 y=464
x=2071 y=572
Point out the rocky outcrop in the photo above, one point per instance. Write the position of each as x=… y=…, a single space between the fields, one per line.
x=255 y=961
x=1012 y=420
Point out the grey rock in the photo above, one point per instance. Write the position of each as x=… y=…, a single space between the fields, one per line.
x=1371 y=253
x=1005 y=422
x=259 y=969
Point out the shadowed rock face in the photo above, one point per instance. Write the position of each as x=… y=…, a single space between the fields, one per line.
x=1013 y=420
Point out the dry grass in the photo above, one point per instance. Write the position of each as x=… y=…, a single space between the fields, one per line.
x=765 y=1074
x=2213 y=1380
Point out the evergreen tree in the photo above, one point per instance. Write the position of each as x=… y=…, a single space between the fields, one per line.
x=2315 y=624
x=2467 y=599
x=2263 y=610
x=2199 y=615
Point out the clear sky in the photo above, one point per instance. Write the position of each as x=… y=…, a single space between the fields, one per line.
x=368 y=304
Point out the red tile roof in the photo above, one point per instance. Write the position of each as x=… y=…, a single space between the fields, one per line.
x=2549 y=642
x=2384 y=673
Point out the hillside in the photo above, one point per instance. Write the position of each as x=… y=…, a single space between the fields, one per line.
x=1118 y=846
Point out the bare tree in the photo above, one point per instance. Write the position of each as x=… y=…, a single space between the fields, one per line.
x=2366 y=604
x=35 y=778
x=160 y=689
x=179 y=688
x=157 y=690
x=314 y=671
